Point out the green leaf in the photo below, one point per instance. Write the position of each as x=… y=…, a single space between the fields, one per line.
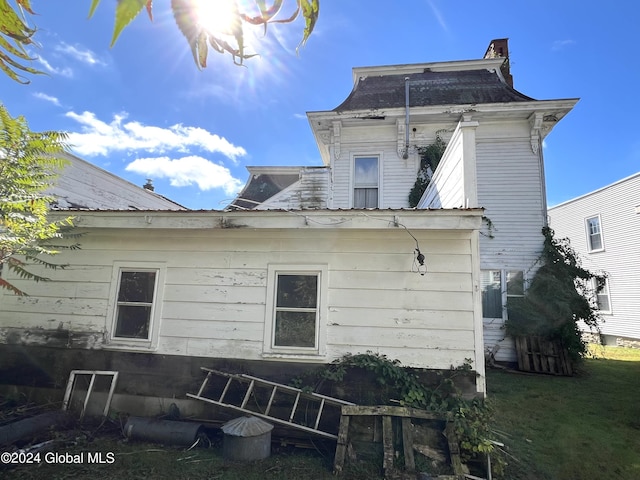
x=94 y=5
x=310 y=11
x=126 y=11
x=188 y=25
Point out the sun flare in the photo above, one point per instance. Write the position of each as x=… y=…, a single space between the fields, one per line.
x=217 y=16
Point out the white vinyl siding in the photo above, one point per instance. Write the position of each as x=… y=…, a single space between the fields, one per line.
x=397 y=175
x=594 y=234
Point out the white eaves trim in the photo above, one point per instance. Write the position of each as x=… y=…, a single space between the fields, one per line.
x=444 y=219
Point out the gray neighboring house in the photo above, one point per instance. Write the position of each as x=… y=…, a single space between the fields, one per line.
x=603 y=227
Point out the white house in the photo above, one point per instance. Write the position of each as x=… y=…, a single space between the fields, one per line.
x=311 y=263
x=370 y=149
x=156 y=295
x=603 y=227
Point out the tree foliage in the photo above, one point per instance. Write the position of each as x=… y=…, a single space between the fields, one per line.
x=29 y=164
x=16 y=34
x=429 y=159
x=561 y=294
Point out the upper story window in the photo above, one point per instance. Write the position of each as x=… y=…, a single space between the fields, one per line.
x=594 y=234
x=365 y=182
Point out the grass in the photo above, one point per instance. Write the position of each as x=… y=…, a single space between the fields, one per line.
x=573 y=428
x=553 y=428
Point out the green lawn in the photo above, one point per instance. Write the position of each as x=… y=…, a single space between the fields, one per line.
x=581 y=427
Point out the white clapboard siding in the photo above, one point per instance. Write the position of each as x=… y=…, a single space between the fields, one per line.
x=617 y=205
x=214 y=296
x=510 y=189
x=446 y=188
x=397 y=174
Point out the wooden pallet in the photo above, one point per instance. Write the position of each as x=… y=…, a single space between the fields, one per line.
x=405 y=415
x=540 y=355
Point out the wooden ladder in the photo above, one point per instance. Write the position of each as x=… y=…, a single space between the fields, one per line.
x=252 y=383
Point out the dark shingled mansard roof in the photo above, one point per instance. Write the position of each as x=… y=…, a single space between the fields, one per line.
x=430 y=88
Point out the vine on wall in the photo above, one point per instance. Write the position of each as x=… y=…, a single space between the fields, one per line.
x=560 y=295
x=429 y=158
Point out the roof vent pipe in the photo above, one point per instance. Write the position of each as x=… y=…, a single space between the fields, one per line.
x=405 y=156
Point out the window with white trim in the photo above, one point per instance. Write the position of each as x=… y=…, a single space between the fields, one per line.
x=134 y=305
x=594 y=234
x=365 y=182
x=295 y=310
x=134 y=310
x=603 y=298
x=498 y=287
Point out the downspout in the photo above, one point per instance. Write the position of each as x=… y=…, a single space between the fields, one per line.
x=405 y=156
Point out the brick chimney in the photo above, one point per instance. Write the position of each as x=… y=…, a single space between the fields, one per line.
x=500 y=48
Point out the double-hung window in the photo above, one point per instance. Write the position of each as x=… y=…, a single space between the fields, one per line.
x=498 y=288
x=134 y=305
x=594 y=234
x=603 y=299
x=134 y=310
x=295 y=312
x=365 y=182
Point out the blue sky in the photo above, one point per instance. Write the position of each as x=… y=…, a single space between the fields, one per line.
x=143 y=110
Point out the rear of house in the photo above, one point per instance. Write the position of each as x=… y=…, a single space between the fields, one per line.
x=156 y=295
x=603 y=227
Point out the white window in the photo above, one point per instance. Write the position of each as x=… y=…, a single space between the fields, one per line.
x=365 y=182
x=594 y=234
x=603 y=298
x=134 y=310
x=296 y=310
x=498 y=287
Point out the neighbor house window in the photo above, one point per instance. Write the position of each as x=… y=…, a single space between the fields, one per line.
x=295 y=310
x=594 y=234
x=134 y=304
x=603 y=298
x=365 y=182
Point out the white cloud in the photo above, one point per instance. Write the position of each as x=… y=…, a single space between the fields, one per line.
x=438 y=15
x=83 y=55
x=187 y=171
x=47 y=98
x=101 y=138
x=562 y=44
x=300 y=116
x=65 y=72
